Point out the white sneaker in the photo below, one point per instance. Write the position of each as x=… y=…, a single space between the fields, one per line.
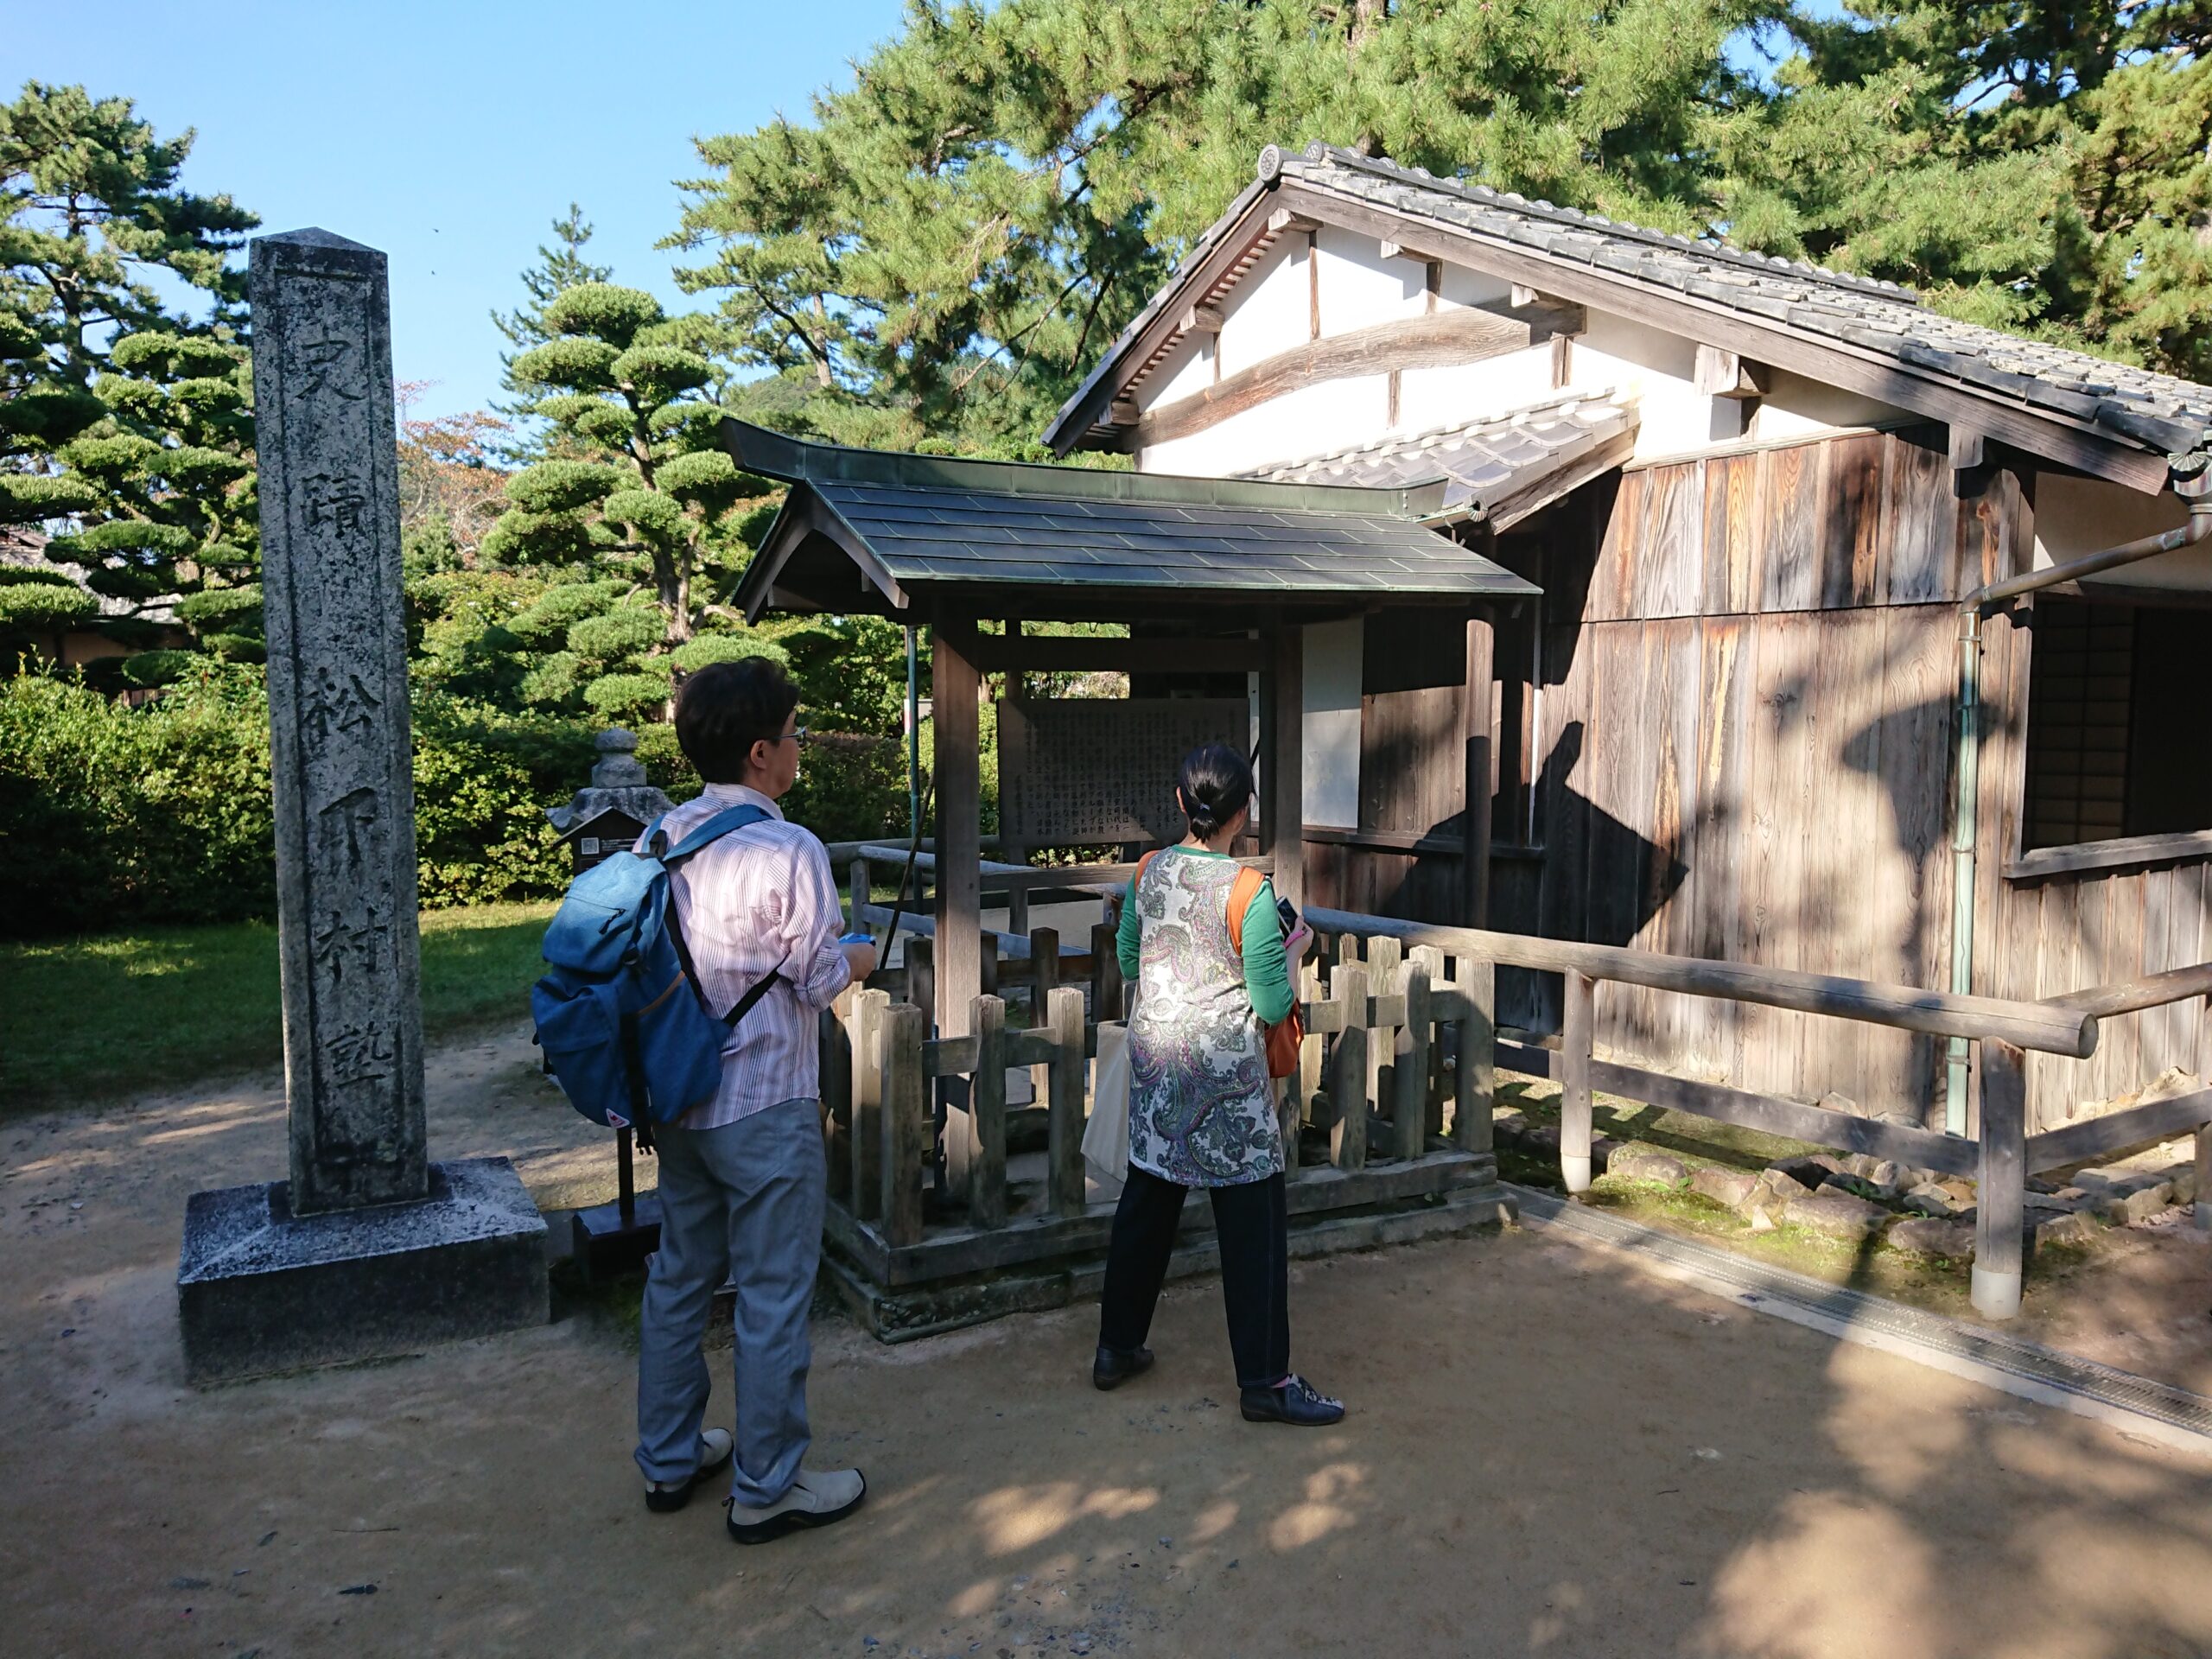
x=714 y=1444
x=816 y=1498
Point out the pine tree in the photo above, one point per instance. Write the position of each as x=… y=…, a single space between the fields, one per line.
x=643 y=501
x=944 y=248
x=560 y=267
x=124 y=424
x=2039 y=167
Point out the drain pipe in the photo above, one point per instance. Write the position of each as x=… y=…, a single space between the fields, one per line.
x=1971 y=609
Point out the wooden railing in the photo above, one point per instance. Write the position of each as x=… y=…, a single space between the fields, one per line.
x=1372 y=1072
x=2001 y=1156
x=1401 y=1016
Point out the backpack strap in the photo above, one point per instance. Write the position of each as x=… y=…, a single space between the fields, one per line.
x=734 y=817
x=729 y=818
x=1241 y=892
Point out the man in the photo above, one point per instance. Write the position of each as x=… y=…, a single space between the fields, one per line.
x=742 y=1175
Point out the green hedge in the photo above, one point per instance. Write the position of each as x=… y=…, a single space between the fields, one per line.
x=113 y=816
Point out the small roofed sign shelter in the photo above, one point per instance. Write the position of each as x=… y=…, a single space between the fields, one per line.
x=1214 y=576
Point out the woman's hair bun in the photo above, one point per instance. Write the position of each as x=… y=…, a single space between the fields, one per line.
x=1216 y=784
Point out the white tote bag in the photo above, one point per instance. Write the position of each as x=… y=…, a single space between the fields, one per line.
x=1106 y=1136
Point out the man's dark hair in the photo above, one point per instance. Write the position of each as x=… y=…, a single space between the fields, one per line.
x=1216 y=785
x=724 y=709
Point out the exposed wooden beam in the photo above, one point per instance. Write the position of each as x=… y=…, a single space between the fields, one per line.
x=1721 y=373
x=1125 y=410
x=1969 y=449
x=1201 y=317
x=1837 y=362
x=1283 y=219
x=1463 y=334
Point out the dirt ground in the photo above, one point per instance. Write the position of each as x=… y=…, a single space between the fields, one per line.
x=1548 y=1453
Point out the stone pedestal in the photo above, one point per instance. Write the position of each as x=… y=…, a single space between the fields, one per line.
x=367 y=1249
x=261 y=1290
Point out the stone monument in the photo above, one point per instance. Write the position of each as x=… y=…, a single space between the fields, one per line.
x=368 y=1249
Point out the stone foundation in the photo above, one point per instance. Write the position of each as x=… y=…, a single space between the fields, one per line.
x=260 y=1289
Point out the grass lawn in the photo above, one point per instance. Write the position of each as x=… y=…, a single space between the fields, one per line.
x=92 y=1019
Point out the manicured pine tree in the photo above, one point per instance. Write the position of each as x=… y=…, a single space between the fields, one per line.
x=643 y=501
x=124 y=425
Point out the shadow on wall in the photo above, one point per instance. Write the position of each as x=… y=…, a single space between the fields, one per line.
x=1626 y=877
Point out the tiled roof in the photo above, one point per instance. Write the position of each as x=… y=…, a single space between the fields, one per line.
x=1498 y=469
x=2155 y=413
x=918 y=521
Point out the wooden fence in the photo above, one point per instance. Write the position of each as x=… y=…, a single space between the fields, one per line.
x=1373 y=1072
x=2000 y=1157
x=1400 y=1022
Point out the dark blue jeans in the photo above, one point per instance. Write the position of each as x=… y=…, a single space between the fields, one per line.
x=1252 y=1222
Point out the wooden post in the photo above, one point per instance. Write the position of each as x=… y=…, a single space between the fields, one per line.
x=860 y=879
x=921 y=974
x=1574 y=1103
x=1063 y=1129
x=1480 y=741
x=1385 y=977
x=2000 y=1191
x=861 y=1026
x=959 y=826
x=1307 y=1084
x=1017 y=899
x=1476 y=1077
x=2203 y=1146
x=836 y=1084
x=986 y=1109
x=1430 y=960
x=1105 y=975
x=1044 y=979
x=905 y=1123
x=1282 y=736
x=1349 y=1085
x=2203 y=1177
x=1411 y=1105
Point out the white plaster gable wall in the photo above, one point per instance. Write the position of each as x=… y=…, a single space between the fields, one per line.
x=1656 y=368
x=2075 y=515
x=1268 y=311
x=1330 y=750
x=1796 y=407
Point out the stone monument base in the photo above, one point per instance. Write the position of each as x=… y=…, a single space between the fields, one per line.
x=260 y=1289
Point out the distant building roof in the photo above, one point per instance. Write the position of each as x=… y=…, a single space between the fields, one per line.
x=1107 y=542
x=1872 y=336
x=1496 y=471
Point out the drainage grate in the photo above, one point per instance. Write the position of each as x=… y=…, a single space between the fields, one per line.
x=2035 y=1371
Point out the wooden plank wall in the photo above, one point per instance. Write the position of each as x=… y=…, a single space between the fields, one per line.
x=1745 y=748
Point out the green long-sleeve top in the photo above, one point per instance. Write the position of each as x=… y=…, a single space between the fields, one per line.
x=1267 y=966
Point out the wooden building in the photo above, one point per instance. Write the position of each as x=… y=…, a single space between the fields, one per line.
x=1759 y=499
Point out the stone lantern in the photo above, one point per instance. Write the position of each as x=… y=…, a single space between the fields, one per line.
x=614 y=812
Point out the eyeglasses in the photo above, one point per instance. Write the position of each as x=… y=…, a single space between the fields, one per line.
x=796 y=734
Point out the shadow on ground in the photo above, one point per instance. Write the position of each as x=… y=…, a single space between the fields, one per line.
x=1550 y=1454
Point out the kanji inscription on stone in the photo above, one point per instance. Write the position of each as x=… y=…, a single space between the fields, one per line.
x=1082 y=771
x=340 y=737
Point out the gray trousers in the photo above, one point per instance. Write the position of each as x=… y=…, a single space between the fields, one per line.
x=742 y=1203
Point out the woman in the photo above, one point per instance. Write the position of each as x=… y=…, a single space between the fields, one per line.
x=1202 y=1110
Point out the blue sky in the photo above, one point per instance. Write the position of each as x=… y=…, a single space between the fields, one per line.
x=451 y=136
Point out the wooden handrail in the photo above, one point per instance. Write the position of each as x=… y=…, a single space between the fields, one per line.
x=1099 y=878
x=2053 y=1028
x=2153 y=990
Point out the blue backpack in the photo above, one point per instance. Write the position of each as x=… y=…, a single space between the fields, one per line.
x=620 y=1017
